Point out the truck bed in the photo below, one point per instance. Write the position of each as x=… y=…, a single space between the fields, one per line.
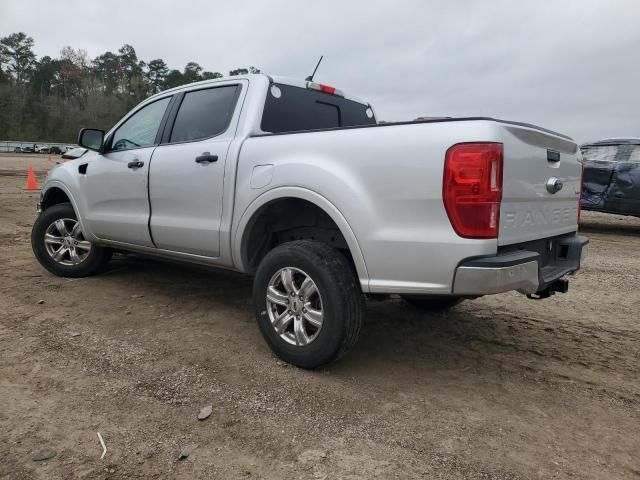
x=395 y=171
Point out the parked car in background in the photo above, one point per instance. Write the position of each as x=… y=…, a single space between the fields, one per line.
x=55 y=150
x=296 y=183
x=45 y=149
x=611 y=179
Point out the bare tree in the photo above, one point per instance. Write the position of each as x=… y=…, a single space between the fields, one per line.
x=18 y=49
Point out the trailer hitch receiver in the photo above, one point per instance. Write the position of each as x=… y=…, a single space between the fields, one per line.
x=558 y=286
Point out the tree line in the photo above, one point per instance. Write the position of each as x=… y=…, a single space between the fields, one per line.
x=50 y=99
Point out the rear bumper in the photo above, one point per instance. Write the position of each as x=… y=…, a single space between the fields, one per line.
x=523 y=270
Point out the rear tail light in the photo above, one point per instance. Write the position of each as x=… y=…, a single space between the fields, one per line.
x=472 y=188
x=580 y=196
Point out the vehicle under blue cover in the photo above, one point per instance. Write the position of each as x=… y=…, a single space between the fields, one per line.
x=611 y=181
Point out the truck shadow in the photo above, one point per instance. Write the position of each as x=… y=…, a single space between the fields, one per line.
x=395 y=338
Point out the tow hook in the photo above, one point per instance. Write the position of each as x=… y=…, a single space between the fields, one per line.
x=559 y=286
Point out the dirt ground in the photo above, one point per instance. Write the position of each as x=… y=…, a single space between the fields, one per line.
x=496 y=388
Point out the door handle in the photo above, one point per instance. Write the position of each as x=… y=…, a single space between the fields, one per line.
x=206 y=157
x=135 y=164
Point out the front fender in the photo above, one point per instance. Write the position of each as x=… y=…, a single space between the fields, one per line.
x=62 y=178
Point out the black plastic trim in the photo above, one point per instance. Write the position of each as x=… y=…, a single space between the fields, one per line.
x=171 y=118
x=553 y=156
x=505 y=260
x=165 y=119
x=558 y=266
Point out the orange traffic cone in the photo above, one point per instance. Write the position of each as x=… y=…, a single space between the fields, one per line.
x=32 y=183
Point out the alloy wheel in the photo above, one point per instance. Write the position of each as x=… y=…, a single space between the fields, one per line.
x=65 y=243
x=294 y=306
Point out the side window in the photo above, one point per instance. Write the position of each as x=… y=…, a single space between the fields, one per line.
x=141 y=128
x=204 y=113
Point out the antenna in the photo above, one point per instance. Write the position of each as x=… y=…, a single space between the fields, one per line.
x=310 y=77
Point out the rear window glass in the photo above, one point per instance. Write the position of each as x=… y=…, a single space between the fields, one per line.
x=204 y=113
x=293 y=109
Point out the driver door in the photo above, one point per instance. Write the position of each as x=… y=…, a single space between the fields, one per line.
x=116 y=182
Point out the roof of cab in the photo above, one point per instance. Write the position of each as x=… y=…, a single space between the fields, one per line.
x=207 y=82
x=294 y=82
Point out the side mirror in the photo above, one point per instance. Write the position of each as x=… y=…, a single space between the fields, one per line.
x=91 y=138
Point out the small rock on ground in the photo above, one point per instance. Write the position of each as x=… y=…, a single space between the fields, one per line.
x=43 y=455
x=186 y=451
x=205 y=412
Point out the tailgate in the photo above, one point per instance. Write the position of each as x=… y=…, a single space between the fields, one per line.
x=534 y=205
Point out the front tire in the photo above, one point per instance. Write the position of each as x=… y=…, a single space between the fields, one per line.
x=309 y=306
x=60 y=247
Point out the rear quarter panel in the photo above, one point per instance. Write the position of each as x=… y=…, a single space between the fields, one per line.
x=387 y=183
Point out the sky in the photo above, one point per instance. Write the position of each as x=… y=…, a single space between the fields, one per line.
x=570 y=66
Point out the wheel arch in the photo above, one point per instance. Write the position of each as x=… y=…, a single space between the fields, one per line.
x=261 y=205
x=55 y=193
x=54 y=196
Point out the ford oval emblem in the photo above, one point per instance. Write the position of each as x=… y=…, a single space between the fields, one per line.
x=554 y=185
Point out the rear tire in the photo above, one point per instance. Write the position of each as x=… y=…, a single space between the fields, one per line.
x=60 y=247
x=432 y=302
x=321 y=321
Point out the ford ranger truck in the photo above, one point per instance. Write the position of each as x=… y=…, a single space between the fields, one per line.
x=295 y=183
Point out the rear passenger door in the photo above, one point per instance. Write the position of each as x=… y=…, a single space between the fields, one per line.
x=186 y=176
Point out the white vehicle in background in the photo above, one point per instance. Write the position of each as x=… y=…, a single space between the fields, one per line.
x=295 y=183
x=41 y=149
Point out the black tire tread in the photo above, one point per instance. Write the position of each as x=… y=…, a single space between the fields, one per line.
x=339 y=268
x=342 y=274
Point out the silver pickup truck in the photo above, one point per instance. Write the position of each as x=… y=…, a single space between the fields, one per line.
x=297 y=184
